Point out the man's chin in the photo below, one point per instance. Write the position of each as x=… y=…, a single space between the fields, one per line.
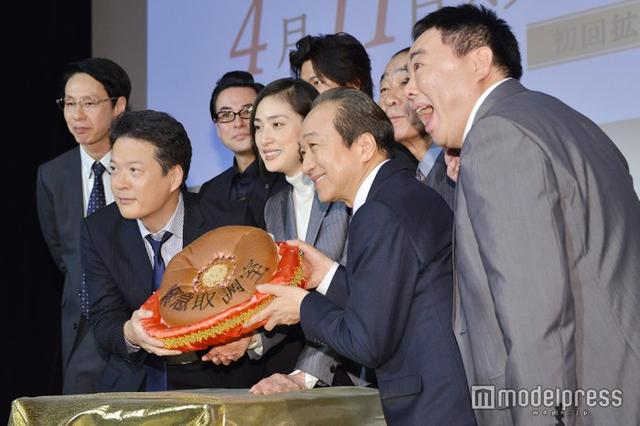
x=326 y=196
x=127 y=212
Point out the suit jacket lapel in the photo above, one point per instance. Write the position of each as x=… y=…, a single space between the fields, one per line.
x=194 y=223
x=439 y=169
x=135 y=255
x=508 y=88
x=389 y=168
x=318 y=212
x=72 y=181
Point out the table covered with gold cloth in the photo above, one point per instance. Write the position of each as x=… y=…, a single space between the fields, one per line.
x=323 y=406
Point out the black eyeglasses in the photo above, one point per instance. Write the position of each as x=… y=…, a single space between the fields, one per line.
x=227 y=116
x=88 y=104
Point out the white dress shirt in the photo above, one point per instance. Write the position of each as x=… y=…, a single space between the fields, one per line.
x=86 y=162
x=173 y=245
x=303 y=192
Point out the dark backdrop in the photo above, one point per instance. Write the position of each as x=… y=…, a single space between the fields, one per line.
x=41 y=37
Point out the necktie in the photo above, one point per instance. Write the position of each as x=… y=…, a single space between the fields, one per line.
x=420 y=176
x=158 y=262
x=156 y=367
x=97 y=200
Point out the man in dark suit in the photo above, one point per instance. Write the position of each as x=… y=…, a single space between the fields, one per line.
x=547 y=232
x=72 y=186
x=389 y=308
x=126 y=246
x=240 y=192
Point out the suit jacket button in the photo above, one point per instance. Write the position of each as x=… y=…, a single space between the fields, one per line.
x=332 y=369
x=75 y=325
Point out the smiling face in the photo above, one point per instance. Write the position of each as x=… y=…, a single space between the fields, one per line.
x=450 y=86
x=334 y=167
x=395 y=104
x=91 y=126
x=278 y=128
x=321 y=83
x=140 y=187
x=235 y=135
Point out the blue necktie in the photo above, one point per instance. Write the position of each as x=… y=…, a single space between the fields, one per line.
x=156 y=367
x=97 y=200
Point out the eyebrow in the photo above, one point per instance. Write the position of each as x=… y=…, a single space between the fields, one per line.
x=416 y=53
x=273 y=117
x=309 y=134
x=403 y=68
x=229 y=108
x=136 y=162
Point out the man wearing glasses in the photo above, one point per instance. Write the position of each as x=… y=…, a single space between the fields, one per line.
x=72 y=186
x=241 y=191
x=238 y=196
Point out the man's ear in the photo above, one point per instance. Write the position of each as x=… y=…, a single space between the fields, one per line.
x=366 y=146
x=121 y=105
x=176 y=175
x=482 y=59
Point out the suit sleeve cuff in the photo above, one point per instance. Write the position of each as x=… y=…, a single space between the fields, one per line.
x=326 y=281
x=309 y=380
x=131 y=348
x=255 y=347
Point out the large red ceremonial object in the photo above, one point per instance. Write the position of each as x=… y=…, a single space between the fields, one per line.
x=208 y=289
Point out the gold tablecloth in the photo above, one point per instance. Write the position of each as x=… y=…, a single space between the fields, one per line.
x=324 y=406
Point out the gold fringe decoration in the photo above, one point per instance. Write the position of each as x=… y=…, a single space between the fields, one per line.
x=228 y=324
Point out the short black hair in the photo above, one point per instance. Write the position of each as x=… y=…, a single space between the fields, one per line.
x=165 y=133
x=357 y=114
x=232 y=79
x=339 y=57
x=298 y=94
x=467 y=27
x=112 y=76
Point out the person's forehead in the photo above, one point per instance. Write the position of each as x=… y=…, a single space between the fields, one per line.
x=396 y=66
x=324 y=111
x=424 y=44
x=233 y=96
x=83 y=81
x=307 y=69
x=319 y=121
x=398 y=62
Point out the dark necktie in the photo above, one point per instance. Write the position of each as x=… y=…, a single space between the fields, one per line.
x=97 y=200
x=158 y=262
x=156 y=367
